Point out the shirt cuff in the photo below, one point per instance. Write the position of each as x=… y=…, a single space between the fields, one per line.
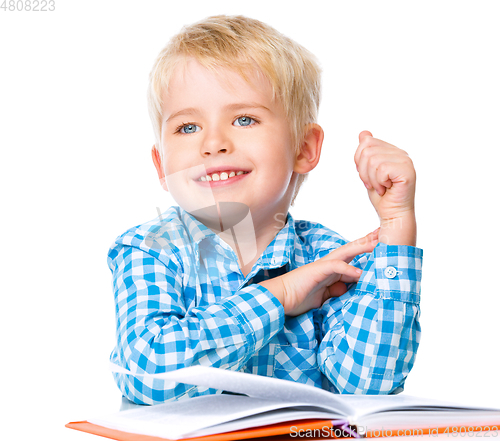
x=394 y=272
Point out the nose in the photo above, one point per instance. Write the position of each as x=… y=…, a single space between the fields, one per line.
x=215 y=141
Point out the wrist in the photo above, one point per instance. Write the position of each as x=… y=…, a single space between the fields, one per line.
x=276 y=288
x=400 y=230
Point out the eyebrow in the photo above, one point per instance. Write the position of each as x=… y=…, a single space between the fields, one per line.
x=231 y=107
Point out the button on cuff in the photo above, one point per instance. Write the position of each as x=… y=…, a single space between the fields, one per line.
x=390 y=272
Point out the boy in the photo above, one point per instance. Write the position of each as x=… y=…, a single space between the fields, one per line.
x=229 y=279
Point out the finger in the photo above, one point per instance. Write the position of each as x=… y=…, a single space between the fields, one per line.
x=386 y=170
x=364 y=134
x=326 y=272
x=345 y=272
x=370 y=145
x=340 y=287
x=377 y=171
x=383 y=178
x=364 y=142
x=350 y=250
x=337 y=289
x=371 y=157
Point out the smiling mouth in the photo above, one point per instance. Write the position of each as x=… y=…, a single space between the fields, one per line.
x=222 y=176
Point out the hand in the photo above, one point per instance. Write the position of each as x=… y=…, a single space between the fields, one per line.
x=389 y=176
x=309 y=286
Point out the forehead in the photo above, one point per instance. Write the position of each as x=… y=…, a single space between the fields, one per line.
x=192 y=84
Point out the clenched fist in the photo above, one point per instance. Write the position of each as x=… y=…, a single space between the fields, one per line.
x=389 y=176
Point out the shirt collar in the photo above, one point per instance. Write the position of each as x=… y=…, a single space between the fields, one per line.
x=275 y=255
x=278 y=251
x=197 y=231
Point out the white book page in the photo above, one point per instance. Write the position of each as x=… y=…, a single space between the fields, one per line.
x=272 y=417
x=179 y=419
x=348 y=407
x=252 y=385
x=372 y=404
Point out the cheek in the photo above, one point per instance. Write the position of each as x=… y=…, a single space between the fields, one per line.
x=279 y=173
x=174 y=160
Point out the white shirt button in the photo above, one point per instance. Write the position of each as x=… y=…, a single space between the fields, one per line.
x=390 y=272
x=219 y=249
x=274 y=260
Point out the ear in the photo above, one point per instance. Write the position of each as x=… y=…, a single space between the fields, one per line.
x=159 y=167
x=310 y=150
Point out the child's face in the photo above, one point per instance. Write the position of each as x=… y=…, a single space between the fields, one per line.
x=220 y=122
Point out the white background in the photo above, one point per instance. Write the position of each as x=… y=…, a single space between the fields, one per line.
x=76 y=172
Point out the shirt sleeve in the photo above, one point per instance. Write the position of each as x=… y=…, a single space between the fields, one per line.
x=370 y=335
x=157 y=333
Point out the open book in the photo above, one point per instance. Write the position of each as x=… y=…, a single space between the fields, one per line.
x=271 y=406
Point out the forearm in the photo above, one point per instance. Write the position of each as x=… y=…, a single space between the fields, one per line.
x=224 y=334
x=371 y=334
x=401 y=230
x=276 y=287
x=163 y=325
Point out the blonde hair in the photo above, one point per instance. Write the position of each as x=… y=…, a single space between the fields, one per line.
x=240 y=44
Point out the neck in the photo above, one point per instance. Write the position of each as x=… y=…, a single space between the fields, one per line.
x=250 y=240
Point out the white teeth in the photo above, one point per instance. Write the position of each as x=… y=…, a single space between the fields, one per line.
x=222 y=177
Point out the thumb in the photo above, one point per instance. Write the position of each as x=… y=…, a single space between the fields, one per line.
x=364 y=134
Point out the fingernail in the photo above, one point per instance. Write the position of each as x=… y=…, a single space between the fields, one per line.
x=359 y=271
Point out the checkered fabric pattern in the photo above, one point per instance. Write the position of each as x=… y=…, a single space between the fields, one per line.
x=181 y=300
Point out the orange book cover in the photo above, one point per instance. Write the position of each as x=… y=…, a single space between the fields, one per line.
x=323 y=429
x=272 y=432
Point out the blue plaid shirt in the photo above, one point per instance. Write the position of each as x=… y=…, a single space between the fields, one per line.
x=186 y=302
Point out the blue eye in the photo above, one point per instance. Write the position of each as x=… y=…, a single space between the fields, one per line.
x=189 y=128
x=243 y=121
